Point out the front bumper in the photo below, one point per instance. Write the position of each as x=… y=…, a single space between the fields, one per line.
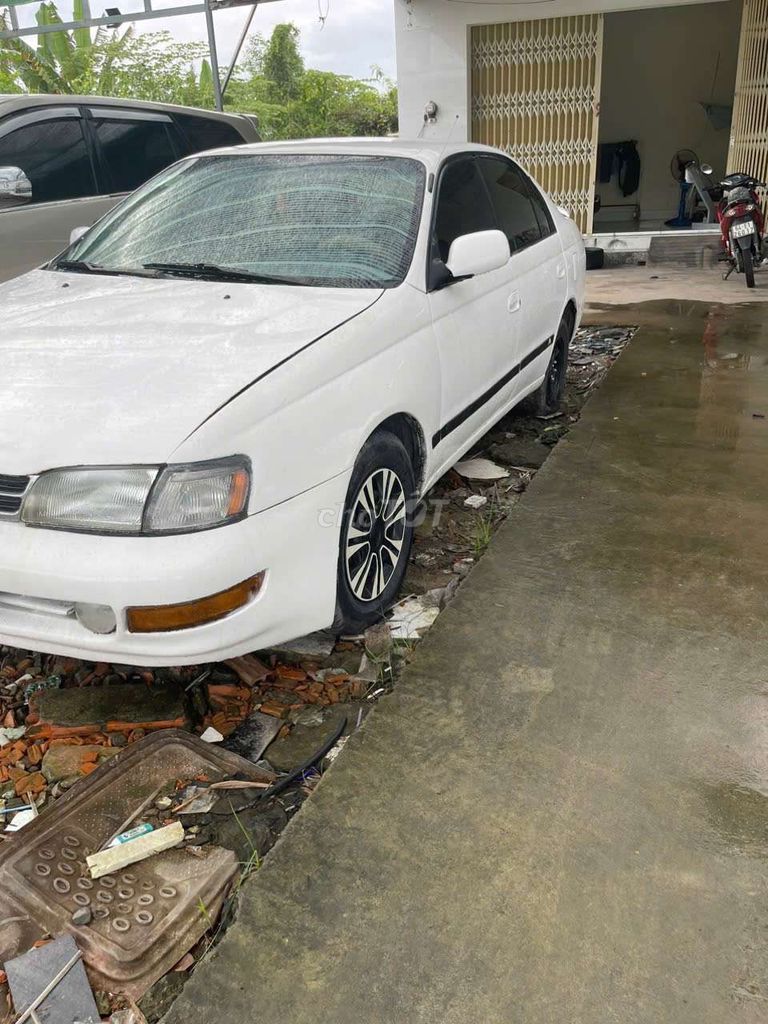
x=44 y=572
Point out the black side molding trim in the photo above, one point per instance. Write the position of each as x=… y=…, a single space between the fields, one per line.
x=486 y=396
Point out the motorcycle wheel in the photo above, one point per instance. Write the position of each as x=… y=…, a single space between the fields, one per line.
x=749 y=267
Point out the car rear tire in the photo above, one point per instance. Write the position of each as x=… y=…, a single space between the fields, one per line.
x=548 y=397
x=376 y=533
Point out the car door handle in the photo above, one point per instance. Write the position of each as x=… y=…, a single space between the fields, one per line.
x=560 y=269
x=514 y=302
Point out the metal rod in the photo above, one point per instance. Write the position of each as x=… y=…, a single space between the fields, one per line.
x=149 y=13
x=218 y=98
x=117 y=19
x=30 y=1010
x=239 y=46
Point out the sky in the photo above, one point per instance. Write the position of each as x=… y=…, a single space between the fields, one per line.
x=356 y=34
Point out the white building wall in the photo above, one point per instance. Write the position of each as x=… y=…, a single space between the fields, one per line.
x=432 y=53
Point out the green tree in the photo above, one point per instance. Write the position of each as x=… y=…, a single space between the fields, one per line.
x=63 y=62
x=283 y=65
x=270 y=80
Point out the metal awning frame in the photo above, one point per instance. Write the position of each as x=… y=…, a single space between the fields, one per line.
x=150 y=13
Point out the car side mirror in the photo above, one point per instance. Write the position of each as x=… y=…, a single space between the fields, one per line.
x=76 y=234
x=15 y=188
x=478 y=253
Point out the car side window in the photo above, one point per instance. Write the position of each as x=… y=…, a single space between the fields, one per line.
x=462 y=205
x=540 y=208
x=54 y=156
x=133 y=149
x=512 y=202
x=203 y=133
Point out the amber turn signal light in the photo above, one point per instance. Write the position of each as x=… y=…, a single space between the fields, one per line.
x=167 y=617
x=238 y=492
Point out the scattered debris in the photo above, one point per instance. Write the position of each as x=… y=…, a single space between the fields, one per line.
x=414 y=615
x=9 y=735
x=82 y=916
x=249 y=669
x=480 y=469
x=129 y=849
x=308 y=735
x=106 y=709
x=211 y=735
x=146 y=917
x=313 y=645
x=476 y=500
x=21 y=817
x=49 y=984
x=253 y=736
x=593 y=351
x=63 y=760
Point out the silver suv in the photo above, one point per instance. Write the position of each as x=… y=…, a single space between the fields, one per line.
x=66 y=160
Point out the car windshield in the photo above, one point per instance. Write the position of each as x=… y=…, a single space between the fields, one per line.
x=332 y=221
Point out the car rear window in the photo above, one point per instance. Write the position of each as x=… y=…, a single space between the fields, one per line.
x=203 y=133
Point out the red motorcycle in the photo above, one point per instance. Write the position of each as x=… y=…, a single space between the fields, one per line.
x=741 y=223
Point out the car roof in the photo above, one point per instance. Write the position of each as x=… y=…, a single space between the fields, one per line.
x=429 y=153
x=15 y=102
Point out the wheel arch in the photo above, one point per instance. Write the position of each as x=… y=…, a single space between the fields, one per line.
x=407 y=429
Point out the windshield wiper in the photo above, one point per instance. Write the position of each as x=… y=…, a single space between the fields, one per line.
x=80 y=267
x=84 y=267
x=213 y=272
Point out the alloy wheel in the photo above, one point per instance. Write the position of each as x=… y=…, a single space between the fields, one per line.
x=375 y=534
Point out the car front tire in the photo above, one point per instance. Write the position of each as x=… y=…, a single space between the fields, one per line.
x=376 y=533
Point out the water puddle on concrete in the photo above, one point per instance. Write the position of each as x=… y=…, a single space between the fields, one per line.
x=739 y=815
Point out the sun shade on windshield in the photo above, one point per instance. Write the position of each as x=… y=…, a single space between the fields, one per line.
x=341 y=221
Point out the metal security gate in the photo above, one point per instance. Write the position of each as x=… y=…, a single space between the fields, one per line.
x=535 y=93
x=749 y=128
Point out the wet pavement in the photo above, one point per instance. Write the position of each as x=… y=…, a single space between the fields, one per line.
x=561 y=812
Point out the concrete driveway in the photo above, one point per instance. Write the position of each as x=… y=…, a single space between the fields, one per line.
x=561 y=815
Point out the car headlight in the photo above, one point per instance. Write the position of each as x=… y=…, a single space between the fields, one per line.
x=134 y=500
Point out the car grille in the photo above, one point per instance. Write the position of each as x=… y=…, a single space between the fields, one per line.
x=12 y=491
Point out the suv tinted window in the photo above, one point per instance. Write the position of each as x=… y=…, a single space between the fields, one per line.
x=512 y=202
x=134 y=150
x=462 y=205
x=54 y=156
x=205 y=133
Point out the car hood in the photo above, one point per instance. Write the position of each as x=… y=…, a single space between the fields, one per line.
x=113 y=370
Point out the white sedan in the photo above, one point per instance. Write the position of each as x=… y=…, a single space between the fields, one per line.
x=221 y=404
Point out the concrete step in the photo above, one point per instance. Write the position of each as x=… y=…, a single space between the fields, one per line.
x=688 y=249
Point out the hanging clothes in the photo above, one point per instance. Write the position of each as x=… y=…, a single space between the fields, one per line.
x=622 y=159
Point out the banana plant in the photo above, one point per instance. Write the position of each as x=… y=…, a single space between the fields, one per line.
x=63 y=62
